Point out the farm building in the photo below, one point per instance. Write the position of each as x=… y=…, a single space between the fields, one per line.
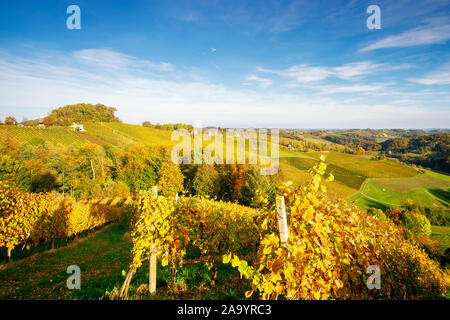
x=77 y=127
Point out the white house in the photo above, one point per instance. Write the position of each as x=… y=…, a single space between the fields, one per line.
x=77 y=127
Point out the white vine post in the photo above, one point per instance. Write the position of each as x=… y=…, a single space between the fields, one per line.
x=282 y=221
x=153 y=258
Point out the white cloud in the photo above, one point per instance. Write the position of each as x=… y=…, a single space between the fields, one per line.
x=111 y=60
x=438 y=77
x=263 y=82
x=305 y=74
x=300 y=73
x=350 y=88
x=45 y=82
x=425 y=35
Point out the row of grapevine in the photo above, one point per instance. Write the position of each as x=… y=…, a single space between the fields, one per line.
x=330 y=247
x=37 y=217
x=213 y=227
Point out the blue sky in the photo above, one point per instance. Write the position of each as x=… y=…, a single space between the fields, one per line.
x=297 y=63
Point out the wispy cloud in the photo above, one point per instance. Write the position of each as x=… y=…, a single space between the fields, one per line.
x=305 y=74
x=358 y=88
x=291 y=17
x=435 y=32
x=300 y=73
x=108 y=59
x=263 y=82
x=438 y=77
x=45 y=82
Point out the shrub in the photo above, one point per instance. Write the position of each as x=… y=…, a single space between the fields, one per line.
x=378 y=214
x=417 y=223
x=429 y=245
x=110 y=189
x=445 y=259
x=395 y=215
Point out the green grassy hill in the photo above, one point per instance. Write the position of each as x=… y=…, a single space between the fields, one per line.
x=428 y=189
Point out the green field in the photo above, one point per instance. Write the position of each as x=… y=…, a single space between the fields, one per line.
x=407 y=184
x=350 y=171
x=375 y=194
x=366 y=167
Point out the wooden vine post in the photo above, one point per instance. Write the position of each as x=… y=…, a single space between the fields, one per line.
x=282 y=221
x=174 y=270
x=153 y=259
x=282 y=227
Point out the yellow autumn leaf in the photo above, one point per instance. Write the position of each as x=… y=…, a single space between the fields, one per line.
x=268 y=287
x=226 y=258
x=235 y=261
x=309 y=213
x=317 y=295
x=338 y=283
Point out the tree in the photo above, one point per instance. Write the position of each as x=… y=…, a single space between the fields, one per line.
x=256 y=182
x=9 y=145
x=8 y=168
x=10 y=120
x=417 y=223
x=43 y=182
x=171 y=179
x=83 y=112
x=49 y=121
x=140 y=165
x=205 y=181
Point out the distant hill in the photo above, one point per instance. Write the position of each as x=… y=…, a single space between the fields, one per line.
x=81 y=112
x=430 y=151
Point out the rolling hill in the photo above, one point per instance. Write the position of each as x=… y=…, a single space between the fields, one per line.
x=371 y=183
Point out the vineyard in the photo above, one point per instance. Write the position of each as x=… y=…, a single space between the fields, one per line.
x=329 y=248
x=29 y=219
x=154 y=245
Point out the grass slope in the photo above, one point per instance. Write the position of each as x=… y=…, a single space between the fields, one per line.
x=366 y=167
x=407 y=184
x=102 y=258
x=376 y=196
